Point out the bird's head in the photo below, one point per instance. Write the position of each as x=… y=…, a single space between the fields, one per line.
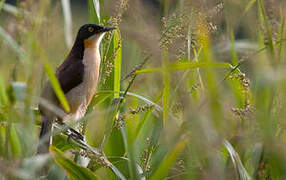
x=92 y=34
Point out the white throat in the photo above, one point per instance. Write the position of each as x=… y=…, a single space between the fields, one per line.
x=98 y=41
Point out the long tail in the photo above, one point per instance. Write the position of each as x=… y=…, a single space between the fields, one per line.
x=43 y=147
x=47 y=124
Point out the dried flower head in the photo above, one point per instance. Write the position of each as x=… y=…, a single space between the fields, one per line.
x=172 y=30
x=245 y=90
x=146 y=157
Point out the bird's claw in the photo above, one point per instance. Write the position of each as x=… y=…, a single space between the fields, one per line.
x=71 y=133
x=76 y=134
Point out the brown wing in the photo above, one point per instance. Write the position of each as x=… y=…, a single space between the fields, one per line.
x=70 y=74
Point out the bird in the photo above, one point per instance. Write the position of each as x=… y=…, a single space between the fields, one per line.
x=78 y=77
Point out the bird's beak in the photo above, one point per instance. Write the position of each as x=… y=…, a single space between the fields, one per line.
x=108 y=28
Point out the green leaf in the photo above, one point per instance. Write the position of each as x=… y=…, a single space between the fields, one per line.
x=2 y=140
x=94 y=11
x=117 y=62
x=15 y=142
x=249 y=5
x=114 y=137
x=56 y=86
x=243 y=174
x=1 y=4
x=184 y=66
x=236 y=88
x=280 y=35
x=167 y=84
x=191 y=65
x=13 y=44
x=169 y=160
x=265 y=20
x=74 y=171
x=233 y=50
x=114 y=144
x=3 y=95
x=16 y=11
x=150 y=70
x=253 y=156
x=52 y=77
x=144 y=128
x=60 y=142
x=132 y=166
x=99 y=97
x=157 y=107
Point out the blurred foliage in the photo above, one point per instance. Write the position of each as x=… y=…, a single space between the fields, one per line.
x=189 y=89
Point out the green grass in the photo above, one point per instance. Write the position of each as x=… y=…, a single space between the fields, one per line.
x=187 y=90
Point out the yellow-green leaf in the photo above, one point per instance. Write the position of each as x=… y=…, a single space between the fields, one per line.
x=74 y=171
x=169 y=160
x=117 y=62
x=184 y=66
x=3 y=95
x=52 y=77
x=249 y=5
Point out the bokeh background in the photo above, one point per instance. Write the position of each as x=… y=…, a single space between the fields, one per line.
x=205 y=79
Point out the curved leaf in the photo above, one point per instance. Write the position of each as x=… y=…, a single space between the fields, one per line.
x=52 y=77
x=169 y=160
x=117 y=62
x=243 y=174
x=184 y=66
x=74 y=171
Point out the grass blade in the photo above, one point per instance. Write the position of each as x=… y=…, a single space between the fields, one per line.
x=94 y=11
x=56 y=86
x=52 y=77
x=15 y=142
x=97 y=9
x=3 y=95
x=68 y=22
x=146 y=116
x=157 y=107
x=74 y=171
x=1 y=4
x=243 y=174
x=132 y=166
x=192 y=65
x=249 y=5
x=117 y=62
x=167 y=84
x=169 y=160
x=265 y=21
x=184 y=66
x=13 y=44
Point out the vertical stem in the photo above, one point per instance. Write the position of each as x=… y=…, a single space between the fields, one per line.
x=68 y=22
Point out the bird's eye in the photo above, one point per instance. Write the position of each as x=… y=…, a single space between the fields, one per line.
x=90 y=29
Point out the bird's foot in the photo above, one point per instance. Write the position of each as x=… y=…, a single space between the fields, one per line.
x=74 y=134
x=76 y=137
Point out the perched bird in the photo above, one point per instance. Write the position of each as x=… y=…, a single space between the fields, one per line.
x=78 y=77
